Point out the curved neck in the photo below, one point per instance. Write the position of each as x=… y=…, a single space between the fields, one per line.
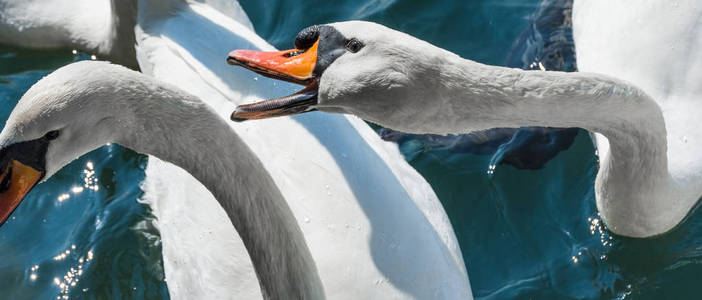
x=180 y=129
x=503 y=97
x=633 y=172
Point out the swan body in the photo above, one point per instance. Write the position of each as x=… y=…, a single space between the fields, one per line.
x=404 y=83
x=106 y=28
x=374 y=227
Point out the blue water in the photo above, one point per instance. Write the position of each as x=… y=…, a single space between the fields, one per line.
x=530 y=233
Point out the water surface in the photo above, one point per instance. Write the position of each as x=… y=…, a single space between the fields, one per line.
x=524 y=233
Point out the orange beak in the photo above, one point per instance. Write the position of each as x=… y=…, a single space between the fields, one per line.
x=296 y=66
x=15 y=182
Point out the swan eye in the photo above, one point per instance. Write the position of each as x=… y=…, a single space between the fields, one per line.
x=52 y=135
x=354 y=45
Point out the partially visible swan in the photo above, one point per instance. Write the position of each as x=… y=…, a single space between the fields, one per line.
x=101 y=27
x=84 y=105
x=649 y=177
x=374 y=227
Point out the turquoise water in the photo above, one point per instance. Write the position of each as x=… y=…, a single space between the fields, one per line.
x=525 y=233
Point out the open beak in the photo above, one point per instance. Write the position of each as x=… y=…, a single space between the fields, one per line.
x=295 y=65
x=16 y=180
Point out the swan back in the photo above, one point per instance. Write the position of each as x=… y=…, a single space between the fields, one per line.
x=54 y=23
x=662 y=45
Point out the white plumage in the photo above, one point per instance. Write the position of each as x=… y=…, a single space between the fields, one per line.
x=644 y=108
x=374 y=227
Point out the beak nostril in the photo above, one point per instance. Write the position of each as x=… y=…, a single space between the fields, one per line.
x=294 y=53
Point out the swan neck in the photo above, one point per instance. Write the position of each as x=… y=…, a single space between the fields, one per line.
x=478 y=96
x=180 y=129
x=633 y=175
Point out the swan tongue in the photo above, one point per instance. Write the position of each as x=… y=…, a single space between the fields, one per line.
x=300 y=102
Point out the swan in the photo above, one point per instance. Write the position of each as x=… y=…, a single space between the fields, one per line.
x=106 y=29
x=374 y=227
x=649 y=176
x=87 y=104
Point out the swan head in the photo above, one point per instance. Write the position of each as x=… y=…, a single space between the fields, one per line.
x=58 y=119
x=356 y=67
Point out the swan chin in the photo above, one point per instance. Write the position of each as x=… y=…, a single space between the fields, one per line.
x=300 y=102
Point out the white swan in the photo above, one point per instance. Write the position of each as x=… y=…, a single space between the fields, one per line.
x=84 y=105
x=649 y=177
x=104 y=28
x=101 y=27
x=374 y=227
